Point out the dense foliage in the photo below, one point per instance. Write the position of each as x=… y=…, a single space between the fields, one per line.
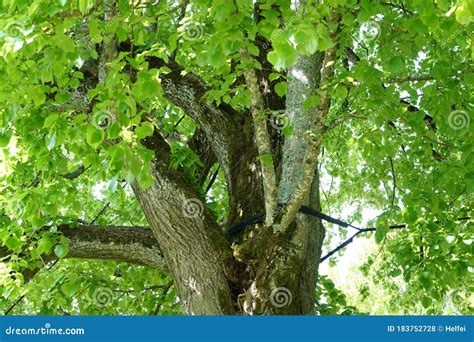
x=400 y=139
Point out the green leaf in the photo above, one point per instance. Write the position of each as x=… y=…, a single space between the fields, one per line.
x=113 y=130
x=274 y=76
x=341 y=92
x=380 y=232
x=50 y=120
x=426 y=302
x=145 y=180
x=283 y=56
x=324 y=40
x=69 y=288
x=266 y=159
x=396 y=65
x=95 y=136
x=396 y=272
x=60 y=251
x=307 y=41
x=311 y=102
x=94 y=30
x=280 y=88
x=50 y=140
x=37 y=95
x=45 y=244
x=5 y=136
x=144 y=130
x=13 y=243
x=444 y=246
x=85 y=5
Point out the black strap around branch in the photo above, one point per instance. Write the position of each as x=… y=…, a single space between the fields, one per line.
x=259 y=218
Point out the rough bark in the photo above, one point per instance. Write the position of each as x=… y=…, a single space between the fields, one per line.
x=274 y=262
x=134 y=245
x=262 y=140
x=285 y=271
x=192 y=243
x=229 y=133
x=312 y=140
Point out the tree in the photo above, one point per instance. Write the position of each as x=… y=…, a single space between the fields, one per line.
x=189 y=119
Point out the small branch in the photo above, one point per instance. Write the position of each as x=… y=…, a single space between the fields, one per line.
x=340 y=121
x=365 y=230
x=182 y=14
x=145 y=288
x=104 y=208
x=422 y=78
x=101 y=211
x=76 y=173
x=352 y=56
x=159 y=305
x=437 y=141
x=394 y=180
x=341 y=246
x=456 y=198
x=24 y=295
x=351 y=239
x=212 y=180
x=397 y=6
x=262 y=140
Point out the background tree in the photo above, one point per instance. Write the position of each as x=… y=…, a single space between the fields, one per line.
x=139 y=132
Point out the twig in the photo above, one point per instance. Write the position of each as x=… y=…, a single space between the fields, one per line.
x=339 y=121
x=76 y=173
x=182 y=14
x=365 y=230
x=422 y=78
x=160 y=302
x=400 y=7
x=104 y=208
x=351 y=239
x=24 y=295
x=394 y=180
x=145 y=288
x=212 y=180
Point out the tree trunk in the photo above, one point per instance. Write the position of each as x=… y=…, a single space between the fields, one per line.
x=264 y=271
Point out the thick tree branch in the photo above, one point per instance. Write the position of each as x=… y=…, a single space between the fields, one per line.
x=202 y=147
x=262 y=139
x=194 y=247
x=134 y=245
x=229 y=133
x=314 y=145
x=188 y=93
